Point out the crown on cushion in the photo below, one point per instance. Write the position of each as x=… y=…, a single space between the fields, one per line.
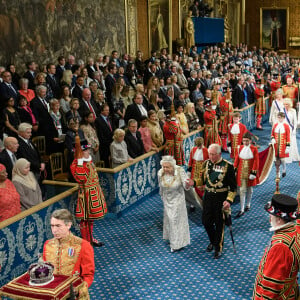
x=41 y=273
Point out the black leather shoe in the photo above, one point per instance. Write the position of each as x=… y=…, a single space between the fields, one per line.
x=217 y=254
x=97 y=244
x=209 y=248
x=239 y=214
x=247 y=208
x=192 y=209
x=283 y=174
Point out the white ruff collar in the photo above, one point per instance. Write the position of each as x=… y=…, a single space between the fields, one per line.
x=280 y=128
x=198 y=155
x=246 y=153
x=235 y=129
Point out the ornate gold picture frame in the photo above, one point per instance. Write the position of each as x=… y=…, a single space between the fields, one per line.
x=160 y=24
x=274 y=23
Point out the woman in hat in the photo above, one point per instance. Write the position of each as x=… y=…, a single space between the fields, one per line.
x=26 y=184
x=91 y=203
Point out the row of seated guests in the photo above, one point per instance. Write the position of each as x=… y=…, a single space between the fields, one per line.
x=20 y=193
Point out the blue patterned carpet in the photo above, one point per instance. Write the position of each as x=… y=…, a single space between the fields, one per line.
x=136 y=263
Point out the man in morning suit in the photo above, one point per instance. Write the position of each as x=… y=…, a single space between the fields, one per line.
x=105 y=131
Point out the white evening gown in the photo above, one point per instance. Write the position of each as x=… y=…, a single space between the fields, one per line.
x=294 y=154
x=176 y=226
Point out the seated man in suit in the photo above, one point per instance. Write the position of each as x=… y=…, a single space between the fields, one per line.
x=7 y=156
x=28 y=150
x=135 y=110
x=133 y=140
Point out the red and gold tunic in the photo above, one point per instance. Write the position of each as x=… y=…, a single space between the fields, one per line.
x=245 y=167
x=211 y=134
x=91 y=203
x=260 y=107
x=174 y=140
x=291 y=91
x=274 y=85
x=226 y=115
x=277 y=273
x=197 y=167
x=282 y=140
x=235 y=140
x=72 y=255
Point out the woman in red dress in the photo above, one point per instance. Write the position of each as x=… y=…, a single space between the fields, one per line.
x=9 y=197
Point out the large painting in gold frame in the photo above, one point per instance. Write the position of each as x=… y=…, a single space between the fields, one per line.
x=160 y=24
x=274 y=24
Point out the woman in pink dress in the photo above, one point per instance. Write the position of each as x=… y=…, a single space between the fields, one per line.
x=146 y=136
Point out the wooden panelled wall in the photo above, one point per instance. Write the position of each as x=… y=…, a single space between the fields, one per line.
x=253 y=19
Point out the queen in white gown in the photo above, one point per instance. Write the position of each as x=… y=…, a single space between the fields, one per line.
x=172 y=182
x=291 y=120
x=277 y=106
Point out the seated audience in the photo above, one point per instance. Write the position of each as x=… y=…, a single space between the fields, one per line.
x=133 y=139
x=118 y=149
x=9 y=197
x=26 y=184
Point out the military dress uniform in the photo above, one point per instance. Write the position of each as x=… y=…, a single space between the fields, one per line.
x=72 y=256
x=174 y=141
x=226 y=109
x=260 y=107
x=277 y=273
x=211 y=134
x=291 y=91
x=195 y=166
x=220 y=185
x=91 y=203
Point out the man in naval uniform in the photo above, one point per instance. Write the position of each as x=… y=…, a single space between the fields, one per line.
x=218 y=177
